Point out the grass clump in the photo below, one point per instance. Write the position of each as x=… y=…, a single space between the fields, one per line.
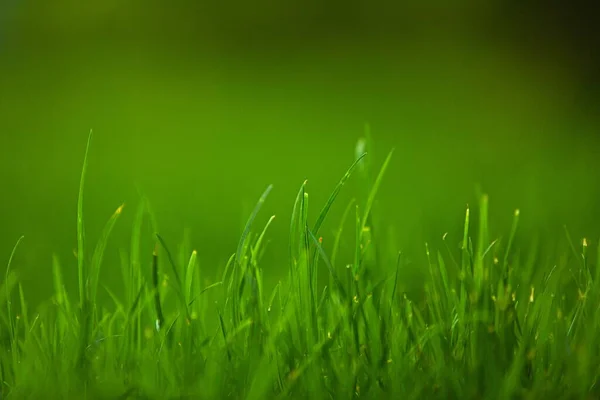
x=494 y=320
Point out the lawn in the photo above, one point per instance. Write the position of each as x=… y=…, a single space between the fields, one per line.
x=495 y=317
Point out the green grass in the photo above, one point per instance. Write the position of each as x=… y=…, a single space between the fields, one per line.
x=497 y=318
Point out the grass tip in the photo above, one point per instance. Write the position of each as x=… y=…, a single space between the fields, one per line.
x=531 y=295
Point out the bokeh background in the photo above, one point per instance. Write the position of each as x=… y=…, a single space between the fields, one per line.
x=200 y=105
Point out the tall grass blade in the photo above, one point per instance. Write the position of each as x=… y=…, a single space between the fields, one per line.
x=294 y=220
x=8 y=288
x=80 y=228
x=248 y=226
x=325 y=259
x=334 y=194
x=178 y=284
x=189 y=276
x=375 y=189
x=511 y=239
x=340 y=229
x=156 y=283
x=99 y=253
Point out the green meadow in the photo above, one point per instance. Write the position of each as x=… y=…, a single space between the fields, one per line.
x=293 y=200
x=493 y=316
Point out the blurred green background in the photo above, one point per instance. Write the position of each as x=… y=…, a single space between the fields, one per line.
x=200 y=105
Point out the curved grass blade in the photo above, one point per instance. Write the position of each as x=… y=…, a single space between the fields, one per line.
x=189 y=276
x=323 y=298
x=80 y=228
x=294 y=219
x=115 y=299
x=258 y=245
x=338 y=235
x=334 y=195
x=134 y=306
x=167 y=338
x=211 y=286
x=12 y=256
x=230 y=262
x=511 y=238
x=224 y=333
x=24 y=309
x=375 y=189
x=255 y=251
x=171 y=260
x=8 y=287
x=336 y=280
x=276 y=290
x=246 y=231
x=99 y=253
x=179 y=286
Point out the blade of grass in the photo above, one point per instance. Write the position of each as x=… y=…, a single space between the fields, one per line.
x=171 y=260
x=482 y=243
x=60 y=292
x=325 y=259
x=334 y=194
x=8 y=290
x=211 y=286
x=99 y=253
x=338 y=235
x=257 y=270
x=136 y=301
x=80 y=228
x=178 y=284
x=157 y=304
x=375 y=189
x=189 y=275
x=131 y=274
x=255 y=251
x=511 y=238
x=248 y=226
x=230 y=262
x=394 y=288
x=24 y=309
x=294 y=223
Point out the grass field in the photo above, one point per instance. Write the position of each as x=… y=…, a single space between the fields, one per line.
x=496 y=317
